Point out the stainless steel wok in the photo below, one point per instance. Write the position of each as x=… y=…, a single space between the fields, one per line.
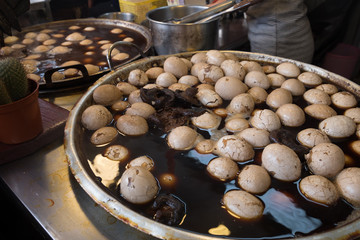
x=79 y=166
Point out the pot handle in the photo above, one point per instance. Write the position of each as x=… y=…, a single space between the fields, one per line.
x=108 y=56
x=49 y=83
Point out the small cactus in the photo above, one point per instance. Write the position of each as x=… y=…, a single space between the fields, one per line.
x=14 y=84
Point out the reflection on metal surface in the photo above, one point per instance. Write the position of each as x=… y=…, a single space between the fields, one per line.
x=220 y=230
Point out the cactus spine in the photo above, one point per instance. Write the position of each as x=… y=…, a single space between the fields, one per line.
x=13 y=81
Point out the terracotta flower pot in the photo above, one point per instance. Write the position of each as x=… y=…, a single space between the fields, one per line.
x=21 y=121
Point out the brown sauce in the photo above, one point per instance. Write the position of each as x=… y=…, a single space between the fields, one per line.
x=287 y=213
x=77 y=53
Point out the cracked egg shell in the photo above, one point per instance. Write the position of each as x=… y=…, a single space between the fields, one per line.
x=320 y=111
x=57 y=76
x=121 y=56
x=152 y=85
x=279 y=97
x=265 y=119
x=30 y=35
x=41 y=37
x=205 y=86
x=258 y=138
x=316 y=96
x=182 y=138
x=348 y=182
x=268 y=69
x=259 y=94
x=86 y=42
x=243 y=204
x=103 y=135
x=178 y=86
x=166 y=79
x=293 y=85
x=106 y=94
x=236 y=124
x=288 y=70
x=10 y=39
x=74 y=37
x=276 y=79
x=138 y=185
x=189 y=80
x=175 y=66
x=325 y=159
x=229 y=87
x=257 y=79
x=233 y=68
x=140 y=109
x=354 y=146
x=343 y=100
x=338 y=126
x=222 y=112
x=209 y=98
x=95 y=117
x=138 y=78
x=281 y=162
x=291 y=115
x=210 y=74
x=117 y=153
x=310 y=79
x=215 y=57
x=142 y=161
x=126 y=88
x=187 y=62
x=222 y=168
x=59 y=50
x=207 y=120
x=120 y=105
x=199 y=57
x=231 y=56
x=205 y=146
x=254 y=179
x=154 y=72
x=235 y=148
x=354 y=114
x=319 y=189
x=310 y=137
x=134 y=97
x=132 y=125
x=92 y=69
x=6 y=50
x=41 y=49
x=197 y=66
x=328 y=88
x=252 y=66
x=242 y=103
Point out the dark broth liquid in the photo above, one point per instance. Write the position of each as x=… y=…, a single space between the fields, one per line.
x=287 y=213
x=102 y=32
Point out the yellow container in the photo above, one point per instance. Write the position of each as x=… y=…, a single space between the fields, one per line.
x=140 y=7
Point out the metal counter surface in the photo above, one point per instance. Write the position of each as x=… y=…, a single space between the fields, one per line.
x=45 y=186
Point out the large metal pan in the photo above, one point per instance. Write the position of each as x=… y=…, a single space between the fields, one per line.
x=81 y=170
x=47 y=85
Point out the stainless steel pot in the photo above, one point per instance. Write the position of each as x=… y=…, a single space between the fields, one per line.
x=80 y=168
x=171 y=38
x=129 y=17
